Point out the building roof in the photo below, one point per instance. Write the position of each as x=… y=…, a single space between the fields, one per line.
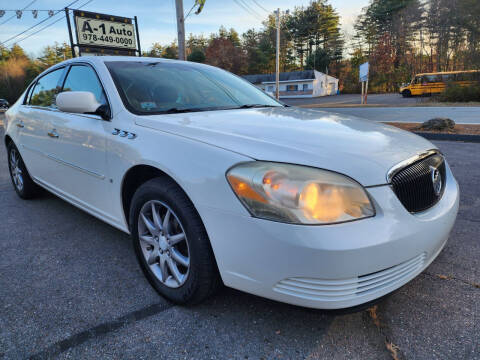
x=284 y=76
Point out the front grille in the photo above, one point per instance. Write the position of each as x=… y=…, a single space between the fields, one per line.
x=414 y=184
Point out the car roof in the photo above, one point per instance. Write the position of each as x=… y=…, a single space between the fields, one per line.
x=100 y=59
x=449 y=72
x=97 y=60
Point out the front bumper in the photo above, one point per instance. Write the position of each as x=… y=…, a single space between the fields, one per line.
x=331 y=266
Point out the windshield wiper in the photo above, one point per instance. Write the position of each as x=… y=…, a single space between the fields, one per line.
x=249 y=106
x=175 y=110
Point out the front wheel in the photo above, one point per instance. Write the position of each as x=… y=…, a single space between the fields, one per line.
x=171 y=243
x=406 y=93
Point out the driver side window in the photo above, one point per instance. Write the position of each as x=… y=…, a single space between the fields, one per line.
x=84 y=78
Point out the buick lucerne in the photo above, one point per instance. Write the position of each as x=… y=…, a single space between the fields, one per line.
x=217 y=182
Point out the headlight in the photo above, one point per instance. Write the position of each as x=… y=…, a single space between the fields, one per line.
x=298 y=194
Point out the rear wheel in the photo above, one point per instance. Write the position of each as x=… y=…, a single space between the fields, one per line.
x=171 y=243
x=21 y=180
x=406 y=93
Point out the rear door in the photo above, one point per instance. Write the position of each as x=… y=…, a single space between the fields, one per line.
x=77 y=147
x=34 y=115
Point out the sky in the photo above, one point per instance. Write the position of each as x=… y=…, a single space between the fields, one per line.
x=156 y=18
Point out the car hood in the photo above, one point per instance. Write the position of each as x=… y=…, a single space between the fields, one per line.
x=361 y=149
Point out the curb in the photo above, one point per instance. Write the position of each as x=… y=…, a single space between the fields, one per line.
x=450 y=137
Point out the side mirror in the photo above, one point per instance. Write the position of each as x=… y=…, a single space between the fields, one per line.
x=81 y=102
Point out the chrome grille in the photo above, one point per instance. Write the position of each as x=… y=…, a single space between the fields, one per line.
x=414 y=184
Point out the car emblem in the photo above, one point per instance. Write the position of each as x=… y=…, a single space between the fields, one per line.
x=436 y=180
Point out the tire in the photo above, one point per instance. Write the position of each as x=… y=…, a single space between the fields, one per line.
x=201 y=278
x=406 y=93
x=21 y=180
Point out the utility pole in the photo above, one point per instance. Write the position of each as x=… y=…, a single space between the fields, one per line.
x=277 y=57
x=180 y=29
x=421 y=51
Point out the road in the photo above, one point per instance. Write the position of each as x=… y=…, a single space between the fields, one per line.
x=355 y=100
x=461 y=115
x=390 y=108
x=70 y=288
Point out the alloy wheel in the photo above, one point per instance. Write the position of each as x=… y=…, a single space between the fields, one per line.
x=17 y=174
x=164 y=243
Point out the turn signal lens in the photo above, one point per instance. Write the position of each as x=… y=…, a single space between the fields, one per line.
x=298 y=194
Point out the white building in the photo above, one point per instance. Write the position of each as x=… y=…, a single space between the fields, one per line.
x=297 y=84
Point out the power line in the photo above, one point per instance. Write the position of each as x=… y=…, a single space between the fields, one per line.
x=244 y=2
x=260 y=6
x=53 y=23
x=246 y=9
x=34 y=26
x=31 y=9
x=11 y=17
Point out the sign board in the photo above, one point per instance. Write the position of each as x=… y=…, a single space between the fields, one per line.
x=364 y=72
x=95 y=29
x=102 y=34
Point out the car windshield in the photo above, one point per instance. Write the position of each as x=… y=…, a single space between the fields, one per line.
x=171 y=87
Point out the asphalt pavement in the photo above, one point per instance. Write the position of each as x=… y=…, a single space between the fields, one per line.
x=347 y=100
x=461 y=115
x=390 y=108
x=70 y=288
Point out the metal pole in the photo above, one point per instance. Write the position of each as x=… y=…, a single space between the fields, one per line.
x=366 y=92
x=138 y=37
x=180 y=29
x=363 y=91
x=67 y=15
x=277 y=58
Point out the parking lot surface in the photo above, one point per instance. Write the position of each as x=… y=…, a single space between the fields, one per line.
x=70 y=288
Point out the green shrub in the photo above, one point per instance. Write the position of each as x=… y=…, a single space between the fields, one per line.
x=457 y=93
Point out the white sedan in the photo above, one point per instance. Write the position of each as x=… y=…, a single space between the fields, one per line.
x=217 y=182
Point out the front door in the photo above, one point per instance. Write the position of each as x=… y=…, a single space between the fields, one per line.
x=77 y=148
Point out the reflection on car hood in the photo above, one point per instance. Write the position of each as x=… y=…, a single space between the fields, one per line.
x=359 y=148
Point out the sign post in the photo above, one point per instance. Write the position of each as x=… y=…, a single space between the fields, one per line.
x=67 y=15
x=102 y=34
x=364 y=71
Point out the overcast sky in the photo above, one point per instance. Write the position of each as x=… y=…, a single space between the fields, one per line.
x=157 y=22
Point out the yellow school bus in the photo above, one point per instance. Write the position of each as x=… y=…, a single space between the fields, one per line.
x=435 y=83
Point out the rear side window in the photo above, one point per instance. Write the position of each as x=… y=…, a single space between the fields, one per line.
x=84 y=78
x=46 y=89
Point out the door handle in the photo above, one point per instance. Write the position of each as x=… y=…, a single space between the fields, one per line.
x=20 y=124
x=53 y=134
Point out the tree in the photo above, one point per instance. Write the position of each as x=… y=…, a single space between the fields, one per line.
x=316 y=27
x=155 y=51
x=196 y=55
x=388 y=29
x=222 y=53
x=197 y=42
x=16 y=72
x=318 y=60
x=52 y=55
x=170 y=51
